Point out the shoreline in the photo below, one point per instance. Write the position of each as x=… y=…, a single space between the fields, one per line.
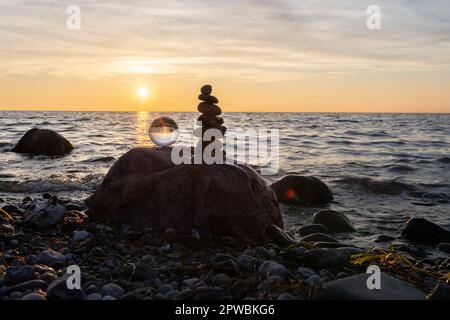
x=167 y=265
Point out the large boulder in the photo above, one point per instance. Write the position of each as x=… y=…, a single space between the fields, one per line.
x=302 y=190
x=43 y=142
x=145 y=188
x=424 y=231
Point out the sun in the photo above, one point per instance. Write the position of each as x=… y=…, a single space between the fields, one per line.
x=143 y=92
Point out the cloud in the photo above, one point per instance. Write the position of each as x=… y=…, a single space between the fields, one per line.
x=263 y=40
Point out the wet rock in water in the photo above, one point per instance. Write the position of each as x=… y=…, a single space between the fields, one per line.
x=302 y=190
x=43 y=142
x=52 y=258
x=19 y=274
x=272 y=268
x=355 y=288
x=322 y=258
x=333 y=221
x=34 y=296
x=113 y=290
x=58 y=290
x=382 y=238
x=440 y=292
x=280 y=237
x=444 y=247
x=228 y=200
x=424 y=231
x=312 y=228
x=318 y=237
x=44 y=213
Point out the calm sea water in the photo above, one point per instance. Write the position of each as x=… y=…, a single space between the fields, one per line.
x=382 y=168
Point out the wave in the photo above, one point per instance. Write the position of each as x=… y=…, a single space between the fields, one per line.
x=101 y=159
x=444 y=160
x=87 y=183
x=399 y=168
x=388 y=186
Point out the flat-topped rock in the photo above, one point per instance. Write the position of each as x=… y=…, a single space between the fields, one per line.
x=43 y=142
x=144 y=188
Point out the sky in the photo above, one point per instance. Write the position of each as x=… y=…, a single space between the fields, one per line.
x=259 y=55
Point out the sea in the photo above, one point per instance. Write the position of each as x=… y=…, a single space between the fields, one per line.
x=382 y=168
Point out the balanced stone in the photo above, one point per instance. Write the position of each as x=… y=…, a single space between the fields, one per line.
x=208 y=98
x=210 y=121
x=206 y=89
x=209 y=108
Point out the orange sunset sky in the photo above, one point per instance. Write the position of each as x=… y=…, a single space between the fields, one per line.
x=260 y=55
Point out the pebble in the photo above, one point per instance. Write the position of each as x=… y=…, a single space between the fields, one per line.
x=221 y=280
x=246 y=263
x=191 y=282
x=144 y=272
x=305 y=272
x=113 y=290
x=51 y=258
x=287 y=296
x=163 y=289
x=19 y=274
x=79 y=236
x=272 y=268
x=312 y=228
x=13 y=243
x=108 y=298
x=34 y=296
x=58 y=290
x=212 y=293
x=94 y=296
x=322 y=258
x=315 y=280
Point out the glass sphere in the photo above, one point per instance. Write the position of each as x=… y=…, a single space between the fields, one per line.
x=163 y=131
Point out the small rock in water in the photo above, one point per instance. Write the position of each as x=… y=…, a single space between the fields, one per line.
x=318 y=237
x=444 y=247
x=312 y=228
x=424 y=231
x=301 y=189
x=333 y=221
x=280 y=237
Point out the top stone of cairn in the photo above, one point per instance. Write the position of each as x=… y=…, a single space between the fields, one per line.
x=206 y=89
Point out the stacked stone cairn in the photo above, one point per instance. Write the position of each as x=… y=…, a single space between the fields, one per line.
x=210 y=112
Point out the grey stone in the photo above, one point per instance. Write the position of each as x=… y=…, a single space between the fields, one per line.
x=44 y=213
x=113 y=290
x=19 y=274
x=58 y=290
x=34 y=296
x=79 y=236
x=51 y=258
x=94 y=296
x=272 y=268
x=355 y=288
